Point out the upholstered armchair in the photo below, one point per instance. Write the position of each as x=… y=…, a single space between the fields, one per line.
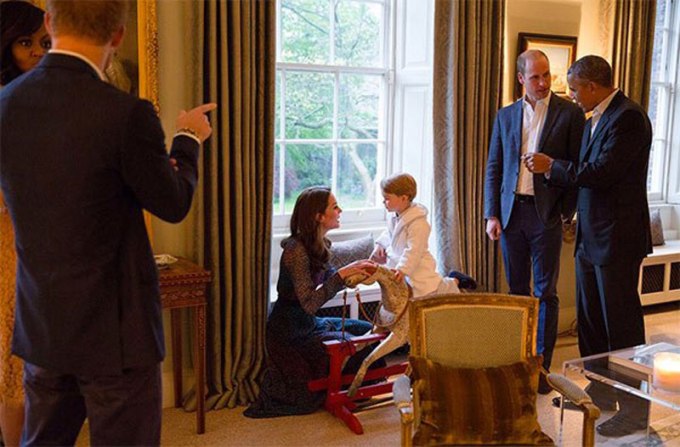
x=475 y=373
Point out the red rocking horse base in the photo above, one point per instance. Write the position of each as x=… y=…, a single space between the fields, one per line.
x=337 y=402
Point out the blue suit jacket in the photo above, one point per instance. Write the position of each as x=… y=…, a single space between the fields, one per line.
x=560 y=138
x=79 y=160
x=611 y=176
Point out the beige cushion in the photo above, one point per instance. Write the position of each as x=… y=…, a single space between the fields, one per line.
x=344 y=252
x=479 y=406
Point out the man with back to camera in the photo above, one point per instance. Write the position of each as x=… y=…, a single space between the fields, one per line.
x=520 y=209
x=79 y=161
x=613 y=233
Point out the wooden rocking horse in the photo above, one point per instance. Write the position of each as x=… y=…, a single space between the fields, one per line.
x=392 y=316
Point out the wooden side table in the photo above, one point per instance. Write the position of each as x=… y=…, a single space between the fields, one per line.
x=183 y=285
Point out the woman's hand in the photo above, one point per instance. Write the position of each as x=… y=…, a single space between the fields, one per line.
x=379 y=254
x=364 y=267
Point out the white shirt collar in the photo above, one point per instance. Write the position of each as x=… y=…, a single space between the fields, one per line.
x=602 y=106
x=82 y=58
x=545 y=101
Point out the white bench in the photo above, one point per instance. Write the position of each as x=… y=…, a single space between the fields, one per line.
x=660 y=274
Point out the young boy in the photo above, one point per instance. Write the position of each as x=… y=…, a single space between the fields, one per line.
x=404 y=245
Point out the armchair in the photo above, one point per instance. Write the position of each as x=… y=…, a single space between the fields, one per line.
x=475 y=373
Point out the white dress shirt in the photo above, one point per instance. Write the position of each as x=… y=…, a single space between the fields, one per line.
x=599 y=110
x=533 y=119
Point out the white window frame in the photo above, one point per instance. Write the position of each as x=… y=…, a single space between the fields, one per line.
x=666 y=139
x=352 y=218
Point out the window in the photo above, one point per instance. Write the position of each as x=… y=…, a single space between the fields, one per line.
x=333 y=95
x=663 y=97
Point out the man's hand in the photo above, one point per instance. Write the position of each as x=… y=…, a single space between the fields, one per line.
x=493 y=228
x=195 y=121
x=537 y=162
x=379 y=254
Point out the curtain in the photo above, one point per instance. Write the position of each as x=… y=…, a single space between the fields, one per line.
x=468 y=55
x=236 y=54
x=633 y=46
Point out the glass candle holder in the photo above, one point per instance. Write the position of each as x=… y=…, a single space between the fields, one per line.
x=666 y=374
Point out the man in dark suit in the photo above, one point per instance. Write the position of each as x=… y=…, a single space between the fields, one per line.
x=613 y=233
x=520 y=209
x=79 y=161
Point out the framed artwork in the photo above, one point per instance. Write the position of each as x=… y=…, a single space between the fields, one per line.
x=561 y=52
x=135 y=66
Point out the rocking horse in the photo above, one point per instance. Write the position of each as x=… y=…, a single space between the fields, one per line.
x=392 y=316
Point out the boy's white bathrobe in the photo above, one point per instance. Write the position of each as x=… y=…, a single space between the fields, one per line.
x=406 y=244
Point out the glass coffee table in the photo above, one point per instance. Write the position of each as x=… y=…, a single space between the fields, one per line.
x=645 y=415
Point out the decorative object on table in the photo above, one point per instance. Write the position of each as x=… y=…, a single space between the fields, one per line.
x=666 y=375
x=656 y=227
x=163 y=261
x=561 y=51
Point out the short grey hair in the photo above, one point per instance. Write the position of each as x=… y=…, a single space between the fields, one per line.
x=592 y=68
x=526 y=55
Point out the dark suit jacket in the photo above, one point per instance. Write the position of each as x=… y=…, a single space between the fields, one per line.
x=560 y=138
x=613 y=215
x=79 y=160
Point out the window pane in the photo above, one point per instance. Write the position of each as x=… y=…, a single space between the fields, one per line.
x=359 y=106
x=305 y=31
x=357 y=169
x=277 y=106
x=277 y=179
x=357 y=33
x=309 y=105
x=306 y=165
x=658 y=67
x=653 y=106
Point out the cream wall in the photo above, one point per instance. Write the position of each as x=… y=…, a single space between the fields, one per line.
x=175 y=32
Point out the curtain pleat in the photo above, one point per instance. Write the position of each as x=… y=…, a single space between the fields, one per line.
x=237 y=66
x=468 y=56
x=633 y=47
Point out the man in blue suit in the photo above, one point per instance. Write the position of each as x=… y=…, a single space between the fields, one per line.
x=520 y=209
x=79 y=161
x=613 y=233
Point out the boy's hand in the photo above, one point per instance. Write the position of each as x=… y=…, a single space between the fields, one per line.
x=398 y=275
x=378 y=255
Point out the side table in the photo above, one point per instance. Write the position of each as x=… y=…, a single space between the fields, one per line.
x=183 y=285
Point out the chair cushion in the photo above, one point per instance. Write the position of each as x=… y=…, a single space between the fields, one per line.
x=489 y=406
x=344 y=252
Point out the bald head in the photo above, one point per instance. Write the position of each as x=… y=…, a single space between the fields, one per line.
x=529 y=55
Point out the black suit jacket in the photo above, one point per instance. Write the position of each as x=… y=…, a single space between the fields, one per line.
x=79 y=160
x=613 y=214
x=560 y=138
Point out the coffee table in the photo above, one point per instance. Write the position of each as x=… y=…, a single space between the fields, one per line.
x=617 y=382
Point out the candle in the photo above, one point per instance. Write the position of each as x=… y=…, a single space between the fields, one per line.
x=667 y=371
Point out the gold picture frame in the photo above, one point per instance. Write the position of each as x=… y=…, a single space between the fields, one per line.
x=139 y=52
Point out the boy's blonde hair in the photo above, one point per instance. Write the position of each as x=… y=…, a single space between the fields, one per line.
x=400 y=185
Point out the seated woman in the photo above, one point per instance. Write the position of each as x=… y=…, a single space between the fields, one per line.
x=294 y=334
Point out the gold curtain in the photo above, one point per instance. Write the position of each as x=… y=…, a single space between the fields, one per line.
x=237 y=64
x=633 y=47
x=468 y=56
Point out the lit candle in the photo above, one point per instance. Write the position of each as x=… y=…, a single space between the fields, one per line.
x=667 y=371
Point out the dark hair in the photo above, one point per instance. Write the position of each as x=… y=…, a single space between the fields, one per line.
x=17 y=18
x=97 y=21
x=592 y=68
x=522 y=59
x=304 y=225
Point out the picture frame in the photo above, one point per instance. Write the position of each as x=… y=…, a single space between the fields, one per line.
x=135 y=67
x=561 y=52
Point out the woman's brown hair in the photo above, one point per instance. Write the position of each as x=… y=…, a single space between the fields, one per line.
x=304 y=224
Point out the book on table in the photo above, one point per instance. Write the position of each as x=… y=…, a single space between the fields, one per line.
x=639 y=363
